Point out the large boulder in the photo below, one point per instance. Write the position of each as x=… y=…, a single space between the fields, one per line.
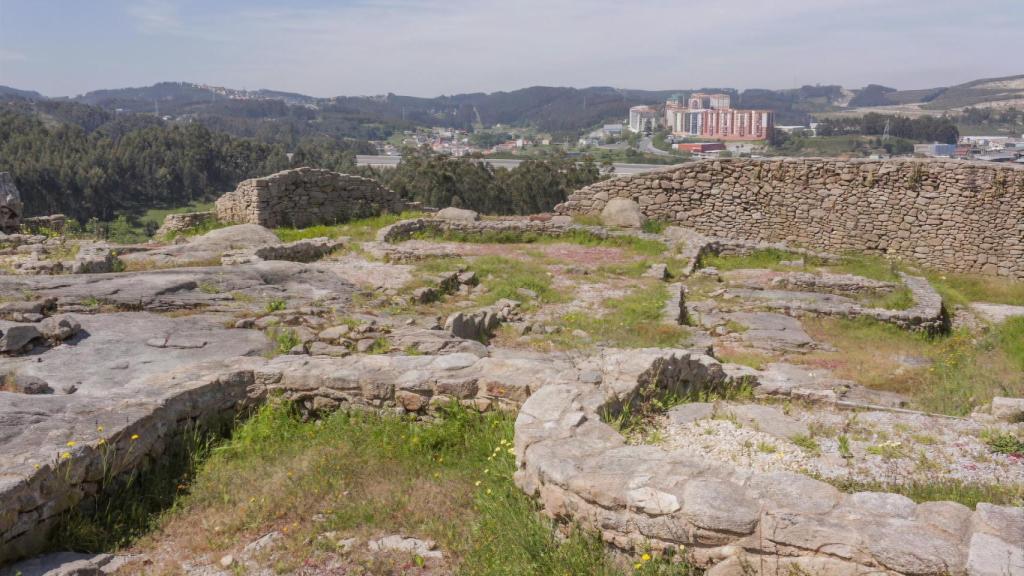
x=622 y=212
x=457 y=215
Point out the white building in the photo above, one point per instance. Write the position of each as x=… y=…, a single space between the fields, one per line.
x=643 y=118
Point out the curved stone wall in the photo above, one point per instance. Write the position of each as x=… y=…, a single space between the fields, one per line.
x=733 y=521
x=950 y=215
x=305 y=197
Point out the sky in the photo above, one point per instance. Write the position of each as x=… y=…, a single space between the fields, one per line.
x=434 y=47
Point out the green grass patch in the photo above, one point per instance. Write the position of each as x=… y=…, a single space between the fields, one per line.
x=961 y=373
x=965 y=288
x=866 y=265
x=633 y=321
x=365 y=475
x=360 y=230
x=941 y=490
x=504 y=276
x=765 y=258
x=654 y=226
x=899 y=299
x=154 y=217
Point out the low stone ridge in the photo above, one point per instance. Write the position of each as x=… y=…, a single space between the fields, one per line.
x=730 y=519
x=950 y=215
x=304 y=197
x=214 y=287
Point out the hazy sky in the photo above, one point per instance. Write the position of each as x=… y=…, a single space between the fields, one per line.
x=432 y=47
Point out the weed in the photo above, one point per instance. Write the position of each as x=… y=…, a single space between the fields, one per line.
x=890 y=450
x=766 y=448
x=807 y=443
x=1003 y=442
x=284 y=340
x=654 y=226
x=844 y=447
x=207 y=287
x=276 y=305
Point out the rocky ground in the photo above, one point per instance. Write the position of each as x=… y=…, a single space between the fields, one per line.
x=119 y=346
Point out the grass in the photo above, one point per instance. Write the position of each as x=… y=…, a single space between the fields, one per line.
x=503 y=276
x=965 y=288
x=960 y=372
x=632 y=321
x=154 y=217
x=361 y=230
x=364 y=475
x=753 y=359
x=766 y=258
x=899 y=299
x=940 y=490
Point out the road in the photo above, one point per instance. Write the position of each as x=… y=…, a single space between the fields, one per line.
x=392 y=161
x=646 y=145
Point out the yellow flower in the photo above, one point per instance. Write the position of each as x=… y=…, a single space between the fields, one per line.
x=71 y=443
x=645 y=557
x=511 y=450
x=477 y=483
x=486 y=470
x=99 y=428
x=135 y=436
x=65 y=455
x=682 y=547
x=101 y=442
x=637 y=566
x=488 y=490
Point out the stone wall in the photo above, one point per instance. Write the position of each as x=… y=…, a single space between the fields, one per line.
x=184 y=221
x=305 y=197
x=950 y=215
x=732 y=521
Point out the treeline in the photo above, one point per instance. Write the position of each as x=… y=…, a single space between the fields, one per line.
x=532 y=187
x=923 y=129
x=93 y=165
x=120 y=168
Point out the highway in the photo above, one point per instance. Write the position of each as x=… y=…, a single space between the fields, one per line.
x=392 y=161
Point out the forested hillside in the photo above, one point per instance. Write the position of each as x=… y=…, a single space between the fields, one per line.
x=86 y=162
x=133 y=163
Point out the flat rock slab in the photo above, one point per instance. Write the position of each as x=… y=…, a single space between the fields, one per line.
x=209 y=246
x=771 y=331
x=176 y=288
x=997 y=313
x=111 y=365
x=784 y=296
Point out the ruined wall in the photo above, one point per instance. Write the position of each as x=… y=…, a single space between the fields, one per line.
x=305 y=197
x=950 y=215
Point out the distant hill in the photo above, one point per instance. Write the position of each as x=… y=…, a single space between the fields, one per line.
x=287 y=117
x=974 y=93
x=8 y=92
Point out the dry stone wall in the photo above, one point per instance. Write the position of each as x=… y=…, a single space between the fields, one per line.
x=305 y=197
x=729 y=520
x=950 y=215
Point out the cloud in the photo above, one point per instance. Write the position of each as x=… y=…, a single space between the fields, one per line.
x=156 y=16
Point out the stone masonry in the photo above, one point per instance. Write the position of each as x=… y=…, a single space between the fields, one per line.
x=950 y=215
x=305 y=197
x=730 y=520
